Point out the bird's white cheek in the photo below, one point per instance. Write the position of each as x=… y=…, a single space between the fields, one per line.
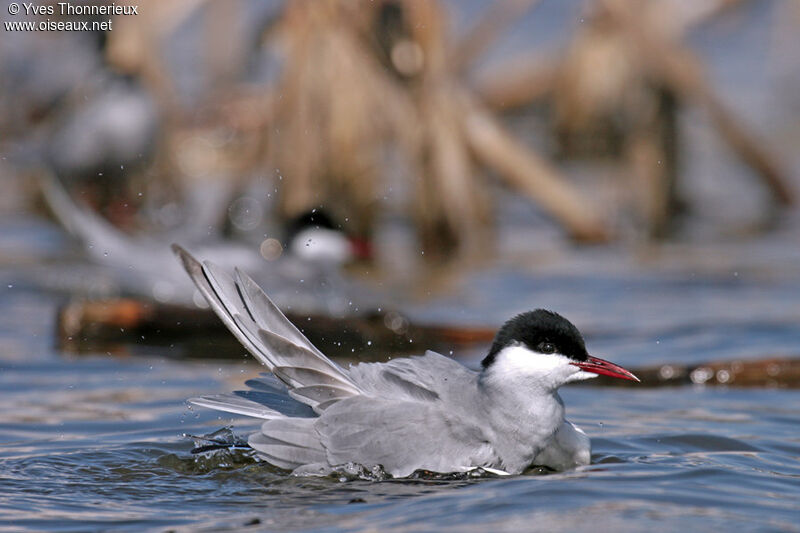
x=317 y=244
x=518 y=362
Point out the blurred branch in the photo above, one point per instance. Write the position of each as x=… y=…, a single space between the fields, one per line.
x=528 y=173
x=224 y=56
x=496 y=18
x=518 y=82
x=133 y=46
x=679 y=69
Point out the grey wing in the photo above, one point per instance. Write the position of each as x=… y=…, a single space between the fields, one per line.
x=268 y=335
x=402 y=436
x=419 y=378
x=410 y=418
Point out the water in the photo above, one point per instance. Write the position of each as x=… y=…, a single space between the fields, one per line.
x=98 y=442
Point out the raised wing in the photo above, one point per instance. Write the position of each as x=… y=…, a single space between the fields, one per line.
x=267 y=334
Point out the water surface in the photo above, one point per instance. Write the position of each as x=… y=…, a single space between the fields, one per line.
x=98 y=442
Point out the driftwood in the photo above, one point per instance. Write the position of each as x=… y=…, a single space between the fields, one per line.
x=126 y=326
x=117 y=325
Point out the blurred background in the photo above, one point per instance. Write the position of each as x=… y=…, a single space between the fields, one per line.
x=398 y=175
x=432 y=141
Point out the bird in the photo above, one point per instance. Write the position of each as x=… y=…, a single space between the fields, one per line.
x=420 y=413
x=314 y=236
x=306 y=276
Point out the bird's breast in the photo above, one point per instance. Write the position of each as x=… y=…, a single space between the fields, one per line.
x=521 y=431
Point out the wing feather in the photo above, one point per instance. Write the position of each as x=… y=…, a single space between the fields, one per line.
x=268 y=335
x=268 y=316
x=402 y=436
x=318 y=394
x=299 y=375
x=289 y=442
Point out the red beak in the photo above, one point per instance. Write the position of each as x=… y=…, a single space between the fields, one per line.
x=361 y=248
x=596 y=365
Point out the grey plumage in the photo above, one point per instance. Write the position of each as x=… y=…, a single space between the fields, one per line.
x=289 y=442
x=267 y=398
x=256 y=404
x=425 y=412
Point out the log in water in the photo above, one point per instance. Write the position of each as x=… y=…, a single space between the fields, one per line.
x=106 y=325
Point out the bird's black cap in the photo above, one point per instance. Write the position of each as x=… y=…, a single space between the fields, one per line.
x=316 y=218
x=537 y=329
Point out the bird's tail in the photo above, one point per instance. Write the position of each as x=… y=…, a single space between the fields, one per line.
x=289 y=443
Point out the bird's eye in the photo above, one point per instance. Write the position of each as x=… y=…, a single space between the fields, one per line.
x=546 y=347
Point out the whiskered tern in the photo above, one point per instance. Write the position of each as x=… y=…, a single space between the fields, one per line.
x=425 y=412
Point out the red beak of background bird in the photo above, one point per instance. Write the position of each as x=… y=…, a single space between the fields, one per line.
x=605 y=368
